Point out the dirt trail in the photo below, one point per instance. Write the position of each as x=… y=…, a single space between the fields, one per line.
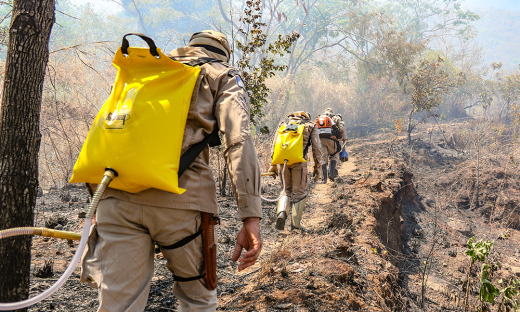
x=319 y=200
x=335 y=265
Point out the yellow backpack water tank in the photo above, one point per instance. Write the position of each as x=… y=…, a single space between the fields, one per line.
x=289 y=144
x=138 y=131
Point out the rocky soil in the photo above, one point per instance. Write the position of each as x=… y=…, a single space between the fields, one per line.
x=389 y=234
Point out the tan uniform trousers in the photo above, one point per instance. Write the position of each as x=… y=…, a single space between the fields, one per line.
x=295 y=177
x=328 y=147
x=119 y=259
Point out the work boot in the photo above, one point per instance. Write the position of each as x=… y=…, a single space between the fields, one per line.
x=281 y=212
x=324 y=172
x=296 y=215
x=280 y=221
x=332 y=171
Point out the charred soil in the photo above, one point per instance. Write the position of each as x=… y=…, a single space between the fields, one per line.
x=389 y=234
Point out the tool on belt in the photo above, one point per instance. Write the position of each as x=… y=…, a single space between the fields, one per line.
x=209 y=250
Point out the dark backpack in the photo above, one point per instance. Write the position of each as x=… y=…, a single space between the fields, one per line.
x=336 y=132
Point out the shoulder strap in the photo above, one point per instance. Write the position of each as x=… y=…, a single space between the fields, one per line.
x=193 y=152
x=306 y=149
x=337 y=131
x=188 y=157
x=203 y=60
x=336 y=144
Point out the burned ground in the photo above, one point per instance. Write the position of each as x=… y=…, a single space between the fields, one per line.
x=389 y=235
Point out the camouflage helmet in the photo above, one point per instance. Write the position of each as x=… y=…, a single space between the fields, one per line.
x=213 y=41
x=301 y=114
x=329 y=112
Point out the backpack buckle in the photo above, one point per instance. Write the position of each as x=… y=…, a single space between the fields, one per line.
x=291 y=127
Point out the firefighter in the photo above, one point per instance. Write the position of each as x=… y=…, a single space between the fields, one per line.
x=341 y=137
x=331 y=147
x=295 y=175
x=119 y=260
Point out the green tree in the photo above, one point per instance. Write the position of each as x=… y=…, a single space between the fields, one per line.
x=432 y=19
x=429 y=84
x=509 y=91
x=257 y=60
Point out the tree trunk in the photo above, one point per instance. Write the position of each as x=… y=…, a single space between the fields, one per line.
x=26 y=61
x=410 y=127
x=477 y=188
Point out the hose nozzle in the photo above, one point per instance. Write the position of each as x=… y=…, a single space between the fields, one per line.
x=109 y=175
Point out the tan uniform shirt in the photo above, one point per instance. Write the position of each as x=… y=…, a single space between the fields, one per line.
x=313 y=134
x=219 y=100
x=341 y=125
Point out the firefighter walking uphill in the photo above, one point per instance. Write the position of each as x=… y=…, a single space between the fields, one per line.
x=119 y=260
x=296 y=172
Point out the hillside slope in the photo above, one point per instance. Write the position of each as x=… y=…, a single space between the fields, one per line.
x=391 y=234
x=340 y=263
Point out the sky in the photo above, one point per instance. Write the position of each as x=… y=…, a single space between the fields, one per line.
x=100 y=5
x=513 y=5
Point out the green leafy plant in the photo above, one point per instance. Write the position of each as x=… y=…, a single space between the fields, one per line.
x=257 y=61
x=510 y=292
x=430 y=83
x=488 y=291
x=478 y=250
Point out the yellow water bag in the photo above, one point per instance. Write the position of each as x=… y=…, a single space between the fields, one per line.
x=289 y=145
x=138 y=131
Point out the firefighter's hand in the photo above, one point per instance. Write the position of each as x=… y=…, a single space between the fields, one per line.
x=249 y=239
x=274 y=170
